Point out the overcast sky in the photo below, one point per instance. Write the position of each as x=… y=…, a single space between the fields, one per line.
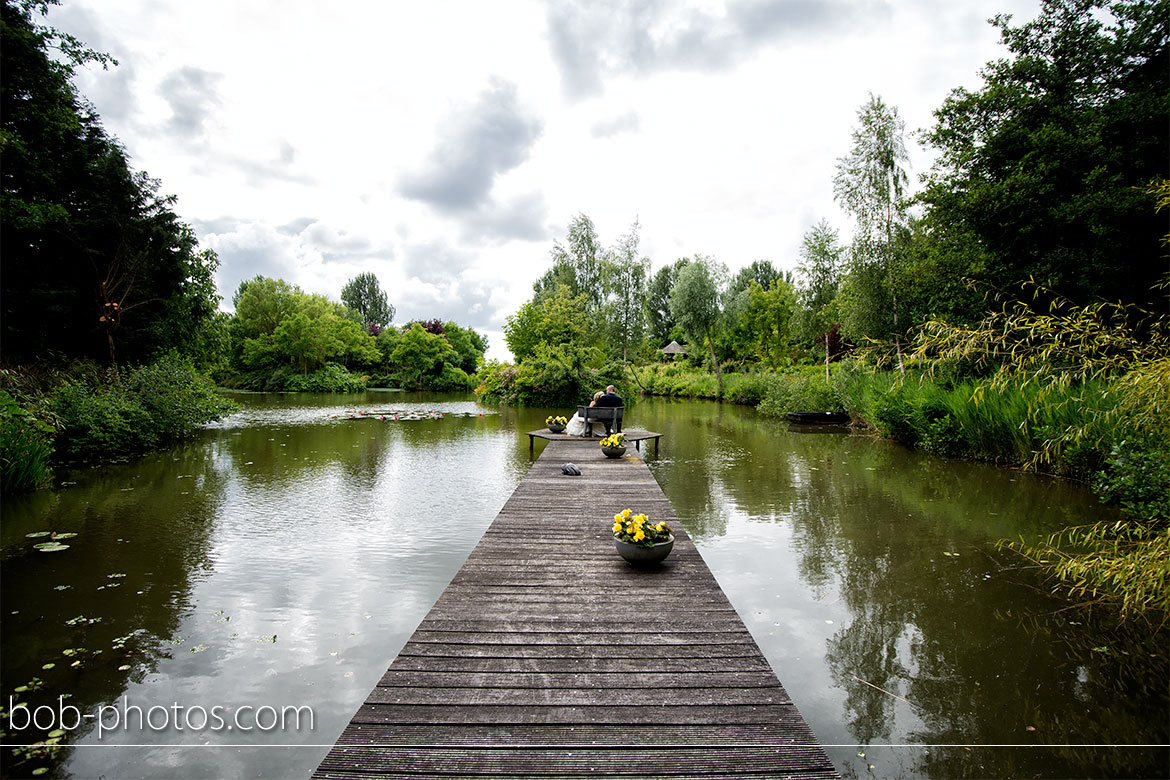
x=446 y=145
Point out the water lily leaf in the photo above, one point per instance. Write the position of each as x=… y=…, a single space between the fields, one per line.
x=39 y=771
x=38 y=534
x=124 y=668
x=51 y=546
x=64 y=536
x=200 y=648
x=57 y=733
x=48 y=666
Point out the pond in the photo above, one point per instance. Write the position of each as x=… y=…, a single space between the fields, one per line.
x=274 y=566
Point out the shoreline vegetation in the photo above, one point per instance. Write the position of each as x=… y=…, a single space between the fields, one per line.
x=1011 y=309
x=1010 y=306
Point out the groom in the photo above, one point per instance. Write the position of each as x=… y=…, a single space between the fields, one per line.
x=610 y=398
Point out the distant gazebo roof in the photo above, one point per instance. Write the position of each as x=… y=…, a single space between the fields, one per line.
x=673 y=348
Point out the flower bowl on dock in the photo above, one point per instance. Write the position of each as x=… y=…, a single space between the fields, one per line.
x=638 y=540
x=556 y=424
x=614 y=446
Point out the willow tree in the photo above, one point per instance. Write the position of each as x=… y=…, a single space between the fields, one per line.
x=869 y=184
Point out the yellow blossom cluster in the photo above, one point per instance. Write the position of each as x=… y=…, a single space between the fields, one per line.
x=638 y=528
x=614 y=440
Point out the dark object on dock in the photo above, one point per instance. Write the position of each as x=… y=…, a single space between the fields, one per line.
x=538 y=662
x=818 y=418
x=570 y=470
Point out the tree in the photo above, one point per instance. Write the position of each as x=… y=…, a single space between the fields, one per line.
x=660 y=322
x=470 y=345
x=578 y=266
x=821 y=257
x=694 y=304
x=625 y=287
x=262 y=303
x=96 y=263
x=869 y=184
x=1042 y=172
x=420 y=353
x=769 y=317
x=562 y=318
x=762 y=272
x=364 y=295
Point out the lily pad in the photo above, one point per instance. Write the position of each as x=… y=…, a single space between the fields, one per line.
x=38 y=534
x=50 y=547
x=64 y=536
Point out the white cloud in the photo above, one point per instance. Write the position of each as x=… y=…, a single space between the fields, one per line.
x=443 y=146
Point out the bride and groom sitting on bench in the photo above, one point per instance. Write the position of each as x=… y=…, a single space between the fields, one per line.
x=610 y=401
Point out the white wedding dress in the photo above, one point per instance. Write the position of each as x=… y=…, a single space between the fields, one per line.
x=576 y=425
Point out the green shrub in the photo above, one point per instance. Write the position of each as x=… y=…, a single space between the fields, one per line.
x=747 y=389
x=803 y=392
x=451 y=379
x=1137 y=478
x=329 y=378
x=111 y=413
x=25 y=447
x=550 y=376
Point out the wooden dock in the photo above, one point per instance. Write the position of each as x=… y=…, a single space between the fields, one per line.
x=548 y=656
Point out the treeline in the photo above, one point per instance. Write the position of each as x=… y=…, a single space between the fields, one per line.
x=1047 y=179
x=1011 y=308
x=284 y=339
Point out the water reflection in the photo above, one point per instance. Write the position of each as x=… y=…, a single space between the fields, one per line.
x=285 y=557
x=870 y=577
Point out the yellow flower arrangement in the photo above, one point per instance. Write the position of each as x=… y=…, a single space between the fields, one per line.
x=613 y=440
x=550 y=420
x=637 y=529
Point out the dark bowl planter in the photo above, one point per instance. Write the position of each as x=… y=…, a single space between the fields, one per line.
x=638 y=555
x=614 y=452
x=556 y=428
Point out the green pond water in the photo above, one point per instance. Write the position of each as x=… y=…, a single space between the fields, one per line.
x=282 y=558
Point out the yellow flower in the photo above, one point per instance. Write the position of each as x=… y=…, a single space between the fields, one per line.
x=618 y=518
x=626 y=514
x=639 y=535
x=617 y=528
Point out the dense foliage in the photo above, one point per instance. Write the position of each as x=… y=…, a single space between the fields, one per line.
x=96 y=263
x=1042 y=170
x=285 y=339
x=107 y=413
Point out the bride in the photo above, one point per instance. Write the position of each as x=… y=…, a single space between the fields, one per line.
x=576 y=424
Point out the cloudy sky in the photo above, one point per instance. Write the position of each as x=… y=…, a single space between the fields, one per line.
x=446 y=145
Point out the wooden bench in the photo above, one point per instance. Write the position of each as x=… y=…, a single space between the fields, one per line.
x=601 y=414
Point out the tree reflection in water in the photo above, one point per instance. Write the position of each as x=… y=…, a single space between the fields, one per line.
x=947 y=641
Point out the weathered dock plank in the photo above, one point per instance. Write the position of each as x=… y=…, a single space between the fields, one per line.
x=549 y=656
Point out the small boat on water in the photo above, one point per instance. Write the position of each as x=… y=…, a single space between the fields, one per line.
x=818 y=418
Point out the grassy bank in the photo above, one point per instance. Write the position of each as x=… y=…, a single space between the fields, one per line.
x=1107 y=431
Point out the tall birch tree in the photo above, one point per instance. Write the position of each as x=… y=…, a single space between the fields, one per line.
x=869 y=184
